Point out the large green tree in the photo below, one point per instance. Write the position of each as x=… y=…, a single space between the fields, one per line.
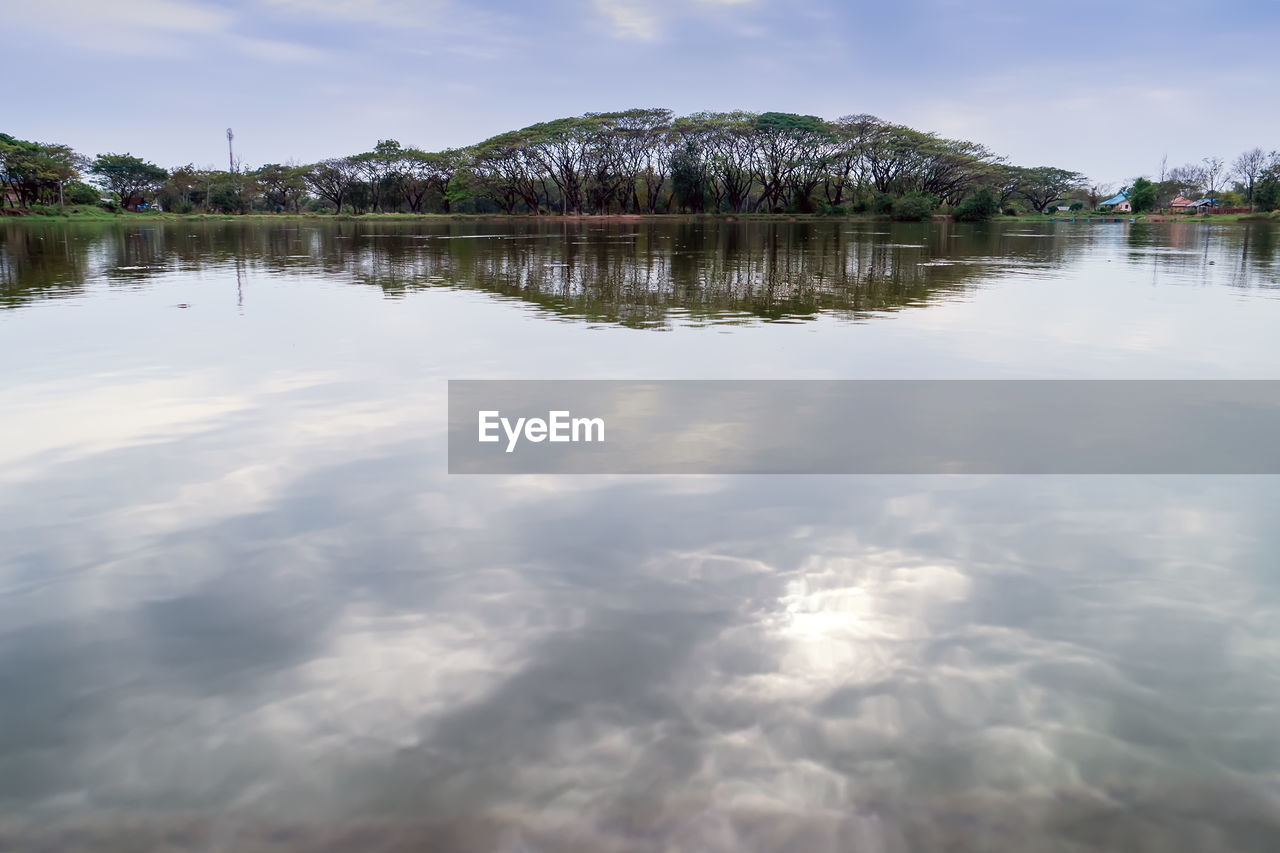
x=281 y=186
x=443 y=171
x=36 y=171
x=688 y=178
x=1266 y=192
x=1142 y=195
x=333 y=179
x=1045 y=185
x=789 y=158
x=379 y=170
x=509 y=175
x=181 y=187
x=127 y=176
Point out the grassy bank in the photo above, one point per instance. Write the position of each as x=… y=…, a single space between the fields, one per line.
x=1144 y=217
x=97 y=214
x=89 y=213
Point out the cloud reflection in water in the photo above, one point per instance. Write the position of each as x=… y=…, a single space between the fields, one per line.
x=275 y=621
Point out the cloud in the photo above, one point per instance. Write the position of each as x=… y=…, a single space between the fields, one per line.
x=153 y=27
x=629 y=19
x=99 y=23
x=1090 y=119
x=647 y=20
x=469 y=30
x=278 y=51
x=394 y=13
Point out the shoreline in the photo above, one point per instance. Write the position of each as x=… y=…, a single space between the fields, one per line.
x=102 y=216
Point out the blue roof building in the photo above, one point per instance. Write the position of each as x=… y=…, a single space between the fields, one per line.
x=1118 y=202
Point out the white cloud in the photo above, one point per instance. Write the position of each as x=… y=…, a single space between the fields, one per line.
x=152 y=27
x=395 y=13
x=78 y=20
x=278 y=51
x=1111 y=130
x=630 y=19
x=457 y=29
x=647 y=20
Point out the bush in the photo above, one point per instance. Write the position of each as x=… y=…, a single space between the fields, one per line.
x=1230 y=198
x=882 y=203
x=225 y=198
x=1142 y=195
x=78 y=192
x=1078 y=206
x=826 y=209
x=977 y=207
x=1267 y=194
x=1010 y=211
x=914 y=207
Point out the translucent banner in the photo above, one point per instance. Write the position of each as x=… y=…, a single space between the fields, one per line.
x=864 y=427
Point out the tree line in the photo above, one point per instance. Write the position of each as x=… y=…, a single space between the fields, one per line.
x=634 y=161
x=1252 y=179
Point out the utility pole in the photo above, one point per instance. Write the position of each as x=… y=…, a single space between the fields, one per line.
x=231 y=157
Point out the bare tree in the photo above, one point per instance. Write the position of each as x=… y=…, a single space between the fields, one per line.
x=1213 y=171
x=1190 y=179
x=1097 y=192
x=1247 y=167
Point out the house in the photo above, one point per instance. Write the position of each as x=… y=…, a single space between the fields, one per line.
x=1204 y=205
x=1181 y=204
x=1118 y=202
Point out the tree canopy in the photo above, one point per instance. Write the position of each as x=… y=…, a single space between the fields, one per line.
x=1142 y=195
x=127 y=176
x=642 y=160
x=1046 y=185
x=37 y=171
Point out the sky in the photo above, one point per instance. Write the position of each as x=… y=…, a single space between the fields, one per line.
x=1105 y=88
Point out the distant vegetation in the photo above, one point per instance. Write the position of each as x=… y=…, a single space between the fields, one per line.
x=643 y=161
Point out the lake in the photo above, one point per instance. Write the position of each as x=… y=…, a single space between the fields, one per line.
x=243 y=605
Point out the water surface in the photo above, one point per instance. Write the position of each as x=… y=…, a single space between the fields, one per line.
x=242 y=603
